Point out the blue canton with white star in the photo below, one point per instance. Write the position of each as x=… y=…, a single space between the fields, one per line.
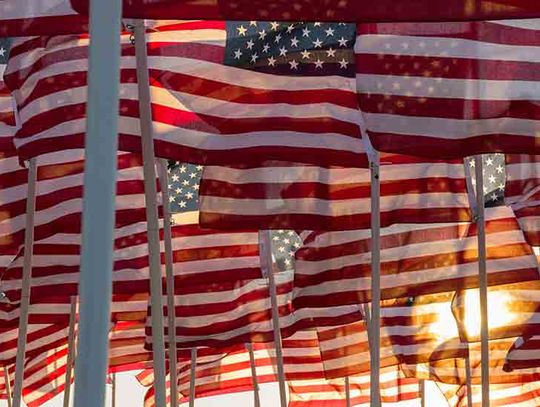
x=4 y=50
x=494 y=178
x=184 y=180
x=293 y=49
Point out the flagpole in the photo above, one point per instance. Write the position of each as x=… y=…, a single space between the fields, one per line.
x=26 y=282
x=152 y=219
x=70 y=350
x=347 y=392
x=265 y=247
x=482 y=269
x=374 y=326
x=8 y=386
x=171 y=312
x=468 y=381
x=99 y=195
x=422 y=385
x=254 y=380
x=113 y=390
x=192 y=376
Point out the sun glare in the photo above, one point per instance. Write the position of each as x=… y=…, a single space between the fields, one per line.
x=498 y=311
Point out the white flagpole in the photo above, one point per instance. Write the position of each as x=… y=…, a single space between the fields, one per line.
x=100 y=170
x=347 y=392
x=171 y=312
x=152 y=219
x=254 y=380
x=8 y=386
x=265 y=248
x=26 y=282
x=482 y=269
x=422 y=385
x=374 y=326
x=71 y=350
x=468 y=381
x=192 y=376
x=113 y=390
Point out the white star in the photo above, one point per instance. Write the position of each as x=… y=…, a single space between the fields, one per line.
x=317 y=43
x=305 y=32
x=189 y=195
x=185 y=183
x=500 y=169
x=471 y=163
x=250 y=44
x=199 y=167
x=175 y=178
x=254 y=57
x=287 y=262
x=171 y=199
x=262 y=35
x=253 y=24
x=196 y=187
x=266 y=48
x=275 y=238
x=282 y=51
x=178 y=190
x=242 y=30
x=182 y=204
x=192 y=175
x=329 y=32
x=331 y=53
x=297 y=245
x=342 y=42
x=237 y=54
x=305 y=54
x=281 y=249
x=271 y=61
x=274 y=25
x=318 y=63
x=489 y=161
x=494 y=196
x=277 y=39
x=343 y=63
x=293 y=64
x=2 y=51
x=183 y=169
x=492 y=179
x=286 y=241
x=294 y=42
x=316 y=24
x=290 y=28
x=501 y=187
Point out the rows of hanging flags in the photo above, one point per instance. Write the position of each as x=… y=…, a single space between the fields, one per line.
x=270 y=125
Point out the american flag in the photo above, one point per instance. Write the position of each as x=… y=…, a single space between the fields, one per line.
x=184 y=180
x=205 y=110
x=494 y=178
x=450 y=90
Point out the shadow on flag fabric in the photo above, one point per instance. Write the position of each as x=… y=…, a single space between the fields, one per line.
x=450 y=90
x=44 y=17
x=294 y=196
x=325 y=10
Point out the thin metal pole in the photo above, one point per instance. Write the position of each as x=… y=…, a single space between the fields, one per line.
x=171 y=312
x=374 y=326
x=482 y=270
x=101 y=150
x=113 y=392
x=152 y=219
x=468 y=381
x=422 y=386
x=70 y=350
x=26 y=282
x=266 y=264
x=254 y=380
x=192 y=376
x=8 y=386
x=347 y=392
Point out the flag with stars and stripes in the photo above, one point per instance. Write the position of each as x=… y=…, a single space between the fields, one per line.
x=183 y=186
x=222 y=93
x=494 y=178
